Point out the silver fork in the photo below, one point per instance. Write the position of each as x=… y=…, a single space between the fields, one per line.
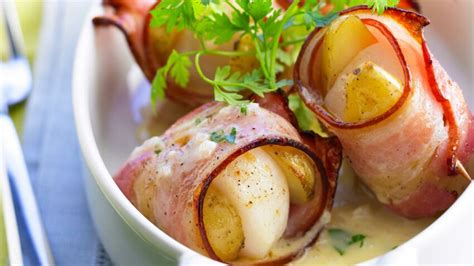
x=15 y=86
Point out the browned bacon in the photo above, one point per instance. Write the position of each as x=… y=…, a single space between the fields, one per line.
x=167 y=178
x=412 y=155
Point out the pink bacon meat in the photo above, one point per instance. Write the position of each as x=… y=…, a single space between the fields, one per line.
x=152 y=46
x=167 y=178
x=412 y=155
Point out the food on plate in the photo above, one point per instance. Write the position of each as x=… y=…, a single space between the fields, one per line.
x=158 y=40
x=234 y=186
x=153 y=45
x=402 y=122
x=251 y=176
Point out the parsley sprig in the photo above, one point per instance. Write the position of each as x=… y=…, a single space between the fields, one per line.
x=276 y=37
x=378 y=6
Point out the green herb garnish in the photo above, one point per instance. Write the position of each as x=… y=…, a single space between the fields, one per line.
x=307 y=120
x=157 y=152
x=220 y=136
x=178 y=67
x=341 y=239
x=276 y=36
x=357 y=239
x=378 y=6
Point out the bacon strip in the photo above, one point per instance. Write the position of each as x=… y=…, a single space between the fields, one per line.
x=167 y=178
x=406 y=154
x=151 y=46
x=329 y=150
x=132 y=19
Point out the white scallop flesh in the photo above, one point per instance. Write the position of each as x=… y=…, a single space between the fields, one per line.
x=258 y=190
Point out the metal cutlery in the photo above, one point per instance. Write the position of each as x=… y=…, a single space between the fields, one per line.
x=6 y=206
x=15 y=86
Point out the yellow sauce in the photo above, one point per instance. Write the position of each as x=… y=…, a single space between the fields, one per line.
x=357 y=212
x=384 y=231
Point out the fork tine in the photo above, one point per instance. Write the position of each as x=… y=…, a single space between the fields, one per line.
x=13 y=29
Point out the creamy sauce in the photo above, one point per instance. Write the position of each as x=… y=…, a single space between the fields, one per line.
x=357 y=212
x=384 y=231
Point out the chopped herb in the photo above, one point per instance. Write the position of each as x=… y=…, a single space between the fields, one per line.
x=157 y=152
x=357 y=239
x=341 y=240
x=307 y=120
x=276 y=37
x=394 y=247
x=243 y=109
x=197 y=121
x=220 y=136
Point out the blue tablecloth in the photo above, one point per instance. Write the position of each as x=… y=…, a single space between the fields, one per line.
x=50 y=143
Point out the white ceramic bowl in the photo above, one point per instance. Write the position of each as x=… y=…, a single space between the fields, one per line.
x=106 y=129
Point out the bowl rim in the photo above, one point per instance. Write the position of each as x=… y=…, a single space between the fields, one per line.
x=90 y=152
x=134 y=219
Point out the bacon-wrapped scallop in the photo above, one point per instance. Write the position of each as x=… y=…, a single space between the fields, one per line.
x=402 y=122
x=151 y=47
x=236 y=187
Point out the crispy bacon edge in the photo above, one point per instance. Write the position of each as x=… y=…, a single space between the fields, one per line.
x=414 y=23
x=329 y=150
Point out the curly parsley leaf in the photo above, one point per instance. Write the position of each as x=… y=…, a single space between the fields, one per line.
x=378 y=6
x=178 y=67
x=217 y=28
x=178 y=14
x=158 y=86
x=232 y=98
x=174 y=15
x=271 y=31
x=240 y=20
x=226 y=87
x=257 y=9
